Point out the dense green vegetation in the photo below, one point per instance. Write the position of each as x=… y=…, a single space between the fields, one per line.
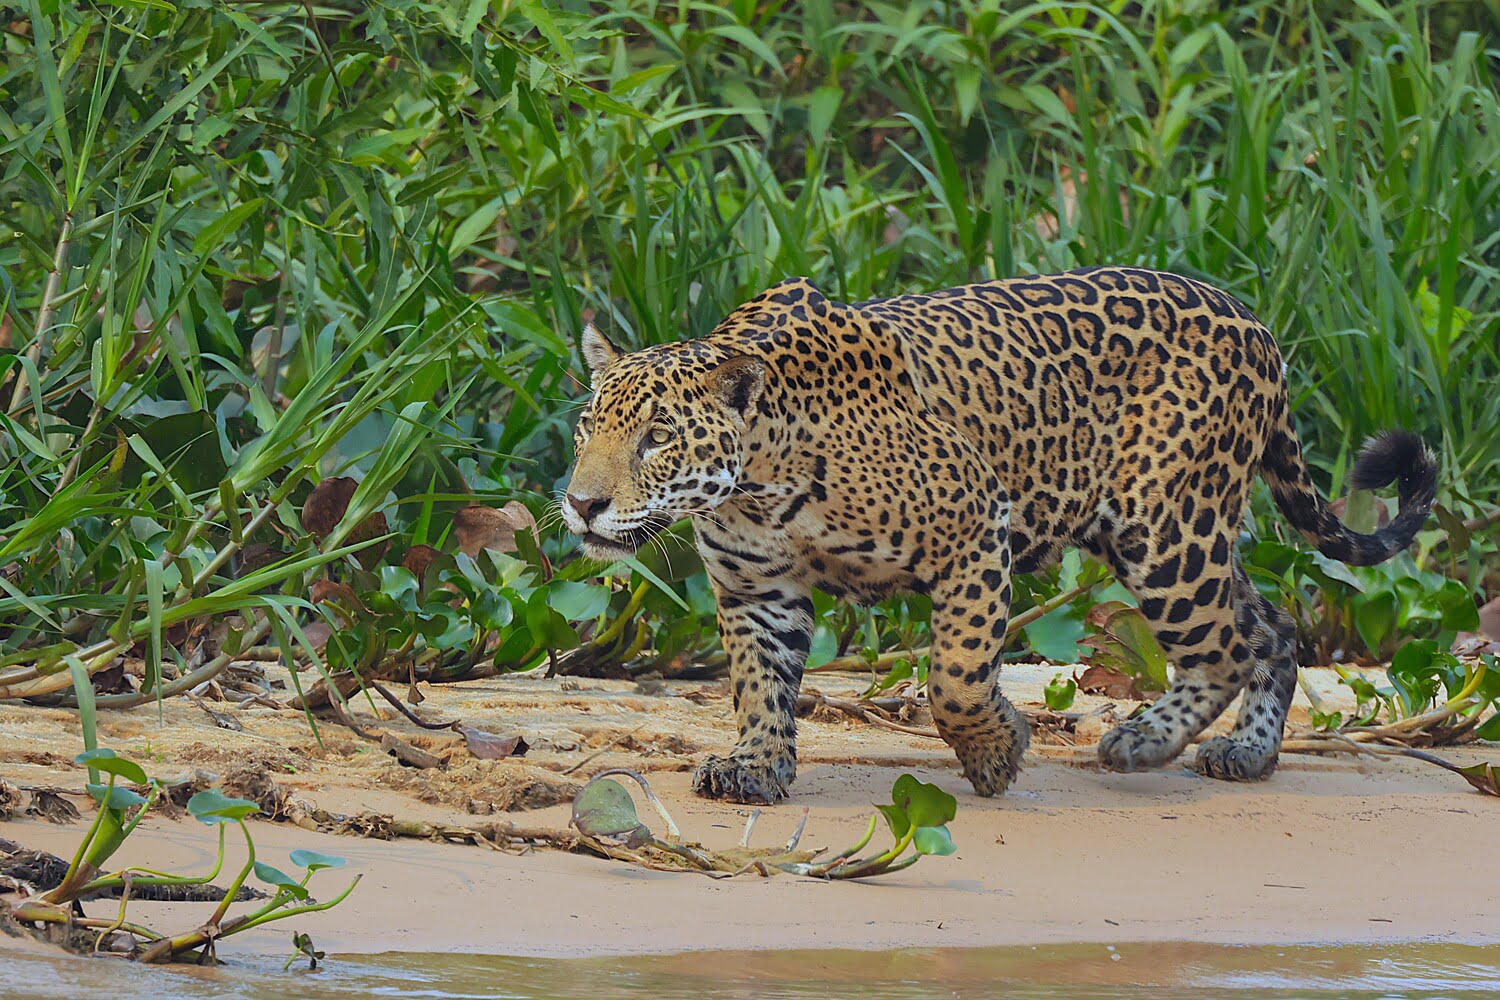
x=254 y=247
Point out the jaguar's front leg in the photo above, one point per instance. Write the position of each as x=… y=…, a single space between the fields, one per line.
x=766 y=629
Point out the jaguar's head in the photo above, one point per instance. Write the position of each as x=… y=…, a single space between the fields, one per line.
x=662 y=438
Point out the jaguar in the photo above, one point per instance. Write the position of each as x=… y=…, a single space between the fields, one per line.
x=940 y=443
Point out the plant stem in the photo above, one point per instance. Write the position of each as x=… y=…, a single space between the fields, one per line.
x=78 y=450
x=186 y=682
x=255 y=920
x=618 y=625
x=64 y=889
x=1470 y=687
x=224 y=554
x=35 y=911
x=822 y=869
x=44 y=314
x=239 y=880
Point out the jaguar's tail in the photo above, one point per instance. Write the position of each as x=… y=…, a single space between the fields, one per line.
x=1388 y=457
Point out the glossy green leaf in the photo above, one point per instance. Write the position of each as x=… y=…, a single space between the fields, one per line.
x=491 y=609
x=118 y=797
x=400 y=586
x=212 y=806
x=549 y=629
x=896 y=819
x=1055 y=635
x=933 y=840
x=1490 y=730
x=1375 y=620
x=106 y=760
x=824 y=646
x=282 y=881
x=1060 y=692
x=578 y=601
x=313 y=861
x=924 y=804
x=216 y=232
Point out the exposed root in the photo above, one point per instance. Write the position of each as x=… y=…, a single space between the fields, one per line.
x=864 y=710
x=37 y=871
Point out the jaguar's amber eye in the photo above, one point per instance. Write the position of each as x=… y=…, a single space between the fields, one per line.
x=659 y=435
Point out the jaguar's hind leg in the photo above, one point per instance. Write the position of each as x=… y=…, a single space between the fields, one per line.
x=1186 y=590
x=970 y=608
x=1249 y=753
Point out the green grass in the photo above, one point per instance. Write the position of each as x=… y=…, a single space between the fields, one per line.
x=255 y=246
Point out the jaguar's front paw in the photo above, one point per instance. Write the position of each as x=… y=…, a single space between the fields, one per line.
x=989 y=768
x=990 y=760
x=744 y=778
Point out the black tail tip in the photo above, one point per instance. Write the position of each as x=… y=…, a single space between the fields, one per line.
x=1395 y=455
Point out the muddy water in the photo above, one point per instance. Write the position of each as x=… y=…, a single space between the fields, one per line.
x=1124 y=971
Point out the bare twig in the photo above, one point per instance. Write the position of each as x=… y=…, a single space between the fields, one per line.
x=796 y=838
x=862 y=710
x=381 y=690
x=619 y=738
x=750 y=822
x=343 y=718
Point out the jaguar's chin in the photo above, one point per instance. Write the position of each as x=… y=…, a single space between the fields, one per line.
x=604 y=548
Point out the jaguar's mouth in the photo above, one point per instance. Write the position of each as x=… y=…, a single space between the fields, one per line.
x=626 y=542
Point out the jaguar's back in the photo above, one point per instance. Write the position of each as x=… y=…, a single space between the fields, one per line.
x=1084 y=388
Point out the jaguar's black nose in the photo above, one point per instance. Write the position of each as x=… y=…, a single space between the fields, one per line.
x=587 y=507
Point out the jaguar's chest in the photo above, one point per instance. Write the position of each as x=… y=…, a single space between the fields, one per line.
x=861 y=559
x=852 y=552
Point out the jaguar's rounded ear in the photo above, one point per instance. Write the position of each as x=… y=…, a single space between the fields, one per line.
x=599 y=352
x=738 y=382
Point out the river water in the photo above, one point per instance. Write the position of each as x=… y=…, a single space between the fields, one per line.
x=1071 y=971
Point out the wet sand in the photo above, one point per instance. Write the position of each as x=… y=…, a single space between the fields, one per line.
x=1329 y=850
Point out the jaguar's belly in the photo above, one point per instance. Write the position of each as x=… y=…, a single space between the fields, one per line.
x=864 y=577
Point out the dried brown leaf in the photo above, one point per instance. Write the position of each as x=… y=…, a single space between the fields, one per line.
x=488 y=746
x=1489 y=619
x=10 y=799
x=325 y=506
x=478 y=528
x=51 y=807
x=318 y=633
x=1125 y=644
x=371 y=527
x=417 y=559
x=1110 y=683
x=339 y=594
x=1485 y=777
x=255 y=556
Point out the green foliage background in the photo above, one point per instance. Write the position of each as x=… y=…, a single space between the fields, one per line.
x=249 y=246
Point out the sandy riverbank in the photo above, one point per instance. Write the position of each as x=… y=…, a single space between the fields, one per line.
x=1329 y=850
